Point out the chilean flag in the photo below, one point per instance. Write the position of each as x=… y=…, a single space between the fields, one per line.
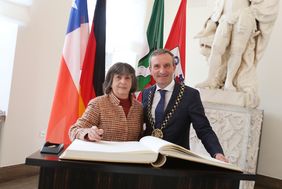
x=65 y=108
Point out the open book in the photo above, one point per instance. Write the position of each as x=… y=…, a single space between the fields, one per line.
x=149 y=150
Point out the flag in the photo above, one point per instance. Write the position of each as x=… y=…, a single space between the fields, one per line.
x=93 y=70
x=155 y=41
x=176 y=41
x=64 y=110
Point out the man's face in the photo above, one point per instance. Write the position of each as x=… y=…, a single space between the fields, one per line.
x=162 y=69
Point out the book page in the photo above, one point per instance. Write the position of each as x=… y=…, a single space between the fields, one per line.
x=108 y=151
x=204 y=160
x=108 y=146
x=154 y=143
x=160 y=145
x=166 y=148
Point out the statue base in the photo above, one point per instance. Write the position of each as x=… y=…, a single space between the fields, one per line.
x=220 y=96
x=238 y=130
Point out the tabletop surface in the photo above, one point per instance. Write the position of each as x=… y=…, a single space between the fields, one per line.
x=173 y=167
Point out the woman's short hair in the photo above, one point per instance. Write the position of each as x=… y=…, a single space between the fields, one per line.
x=119 y=68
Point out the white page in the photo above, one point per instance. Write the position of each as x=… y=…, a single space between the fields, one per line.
x=158 y=145
x=107 y=146
x=154 y=143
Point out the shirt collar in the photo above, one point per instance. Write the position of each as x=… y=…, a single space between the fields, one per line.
x=167 y=88
x=115 y=99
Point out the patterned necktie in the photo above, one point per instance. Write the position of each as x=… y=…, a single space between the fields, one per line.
x=159 y=112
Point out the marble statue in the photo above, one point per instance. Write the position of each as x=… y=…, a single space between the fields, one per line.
x=233 y=40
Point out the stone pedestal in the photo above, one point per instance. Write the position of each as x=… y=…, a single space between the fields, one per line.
x=227 y=97
x=223 y=97
x=238 y=130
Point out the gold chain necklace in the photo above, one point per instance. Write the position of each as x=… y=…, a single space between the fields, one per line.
x=159 y=132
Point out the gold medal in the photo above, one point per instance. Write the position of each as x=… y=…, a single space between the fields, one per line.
x=157 y=133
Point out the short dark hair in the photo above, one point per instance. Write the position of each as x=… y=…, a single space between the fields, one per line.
x=160 y=52
x=119 y=68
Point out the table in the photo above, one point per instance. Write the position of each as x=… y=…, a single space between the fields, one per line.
x=58 y=174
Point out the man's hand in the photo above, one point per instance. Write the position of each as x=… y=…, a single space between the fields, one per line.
x=95 y=134
x=221 y=157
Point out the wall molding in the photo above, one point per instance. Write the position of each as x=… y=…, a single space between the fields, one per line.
x=17 y=171
x=15 y=11
x=264 y=182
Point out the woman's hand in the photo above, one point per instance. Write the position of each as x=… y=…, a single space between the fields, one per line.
x=95 y=134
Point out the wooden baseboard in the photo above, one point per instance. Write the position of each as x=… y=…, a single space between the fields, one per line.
x=17 y=171
x=265 y=182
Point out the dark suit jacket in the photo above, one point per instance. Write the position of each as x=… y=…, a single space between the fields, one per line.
x=189 y=110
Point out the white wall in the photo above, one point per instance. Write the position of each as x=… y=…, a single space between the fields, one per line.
x=36 y=65
x=270 y=92
x=7 y=48
x=38 y=52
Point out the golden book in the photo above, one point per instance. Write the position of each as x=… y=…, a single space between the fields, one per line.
x=148 y=150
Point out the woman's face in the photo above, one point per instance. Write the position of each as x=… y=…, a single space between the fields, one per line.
x=121 y=85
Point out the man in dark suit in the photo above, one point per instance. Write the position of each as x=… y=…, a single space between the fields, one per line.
x=170 y=108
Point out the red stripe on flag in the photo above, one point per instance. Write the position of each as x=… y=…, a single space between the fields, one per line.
x=177 y=36
x=86 y=87
x=64 y=109
x=93 y=70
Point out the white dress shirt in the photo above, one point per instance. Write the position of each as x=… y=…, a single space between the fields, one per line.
x=157 y=96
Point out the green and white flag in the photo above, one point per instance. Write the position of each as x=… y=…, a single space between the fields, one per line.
x=155 y=41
